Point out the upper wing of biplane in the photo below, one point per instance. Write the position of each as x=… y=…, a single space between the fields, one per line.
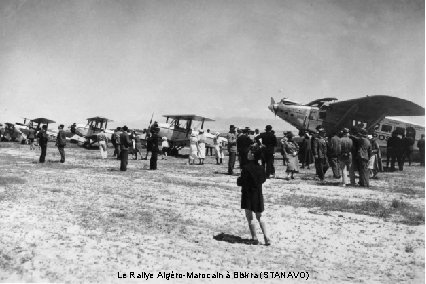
x=99 y=119
x=187 y=117
x=42 y=120
x=370 y=109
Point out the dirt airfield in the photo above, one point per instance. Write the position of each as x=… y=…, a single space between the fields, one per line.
x=85 y=221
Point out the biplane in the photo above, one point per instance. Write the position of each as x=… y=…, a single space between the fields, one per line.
x=369 y=111
x=8 y=132
x=87 y=134
x=19 y=131
x=178 y=128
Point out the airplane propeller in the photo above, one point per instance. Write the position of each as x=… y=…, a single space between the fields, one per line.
x=273 y=106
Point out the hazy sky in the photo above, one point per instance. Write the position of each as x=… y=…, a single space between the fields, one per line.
x=68 y=60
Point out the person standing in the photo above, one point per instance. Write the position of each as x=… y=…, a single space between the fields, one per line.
x=251 y=180
x=193 y=148
x=391 y=150
x=243 y=145
x=398 y=153
x=232 y=148
x=363 y=156
x=375 y=163
x=209 y=147
x=307 y=157
x=42 y=142
x=218 y=148
x=137 y=145
x=61 y=142
x=320 y=154
x=164 y=148
x=421 y=146
x=31 y=137
x=124 y=148
x=118 y=142
x=103 y=144
x=333 y=152
x=283 y=142
x=153 y=140
x=201 y=146
x=345 y=155
x=408 y=148
x=269 y=142
x=291 y=150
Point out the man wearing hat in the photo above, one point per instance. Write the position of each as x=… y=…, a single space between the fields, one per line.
x=243 y=145
x=319 y=150
x=124 y=148
x=61 y=142
x=42 y=138
x=333 y=151
x=232 y=148
x=115 y=140
x=363 y=156
x=268 y=144
x=345 y=155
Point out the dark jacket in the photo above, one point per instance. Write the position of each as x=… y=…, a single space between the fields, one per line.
x=124 y=141
x=269 y=140
x=334 y=147
x=251 y=180
x=243 y=143
x=320 y=148
x=60 y=139
x=364 y=149
x=152 y=143
x=42 y=138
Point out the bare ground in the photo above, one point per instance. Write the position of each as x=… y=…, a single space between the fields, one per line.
x=85 y=221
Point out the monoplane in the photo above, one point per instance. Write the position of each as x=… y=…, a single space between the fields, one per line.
x=334 y=115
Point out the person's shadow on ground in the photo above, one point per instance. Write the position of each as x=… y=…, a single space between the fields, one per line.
x=222 y=237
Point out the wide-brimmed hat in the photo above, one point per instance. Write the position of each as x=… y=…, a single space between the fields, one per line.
x=193 y=134
x=345 y=130
x=200 y=131
x=231 y=126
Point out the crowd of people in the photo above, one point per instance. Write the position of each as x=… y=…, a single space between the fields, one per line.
x=345 y=152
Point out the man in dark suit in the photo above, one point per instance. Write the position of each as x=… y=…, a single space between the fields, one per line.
x=268 y=141
x=42 y=142
x=61 y=142
x=124 y=148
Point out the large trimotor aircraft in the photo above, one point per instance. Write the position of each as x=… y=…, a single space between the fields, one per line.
x=333 y=115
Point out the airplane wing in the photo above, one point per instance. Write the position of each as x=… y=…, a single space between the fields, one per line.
x=321 y=101
x=42 y=120
x=188 y=117
x=370 y=109
x=99 y=118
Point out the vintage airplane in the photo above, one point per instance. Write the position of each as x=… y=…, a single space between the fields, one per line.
x=87 y=134
x=19 y=131
x=178 y=128
x=333 y=115
x=9 y=132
